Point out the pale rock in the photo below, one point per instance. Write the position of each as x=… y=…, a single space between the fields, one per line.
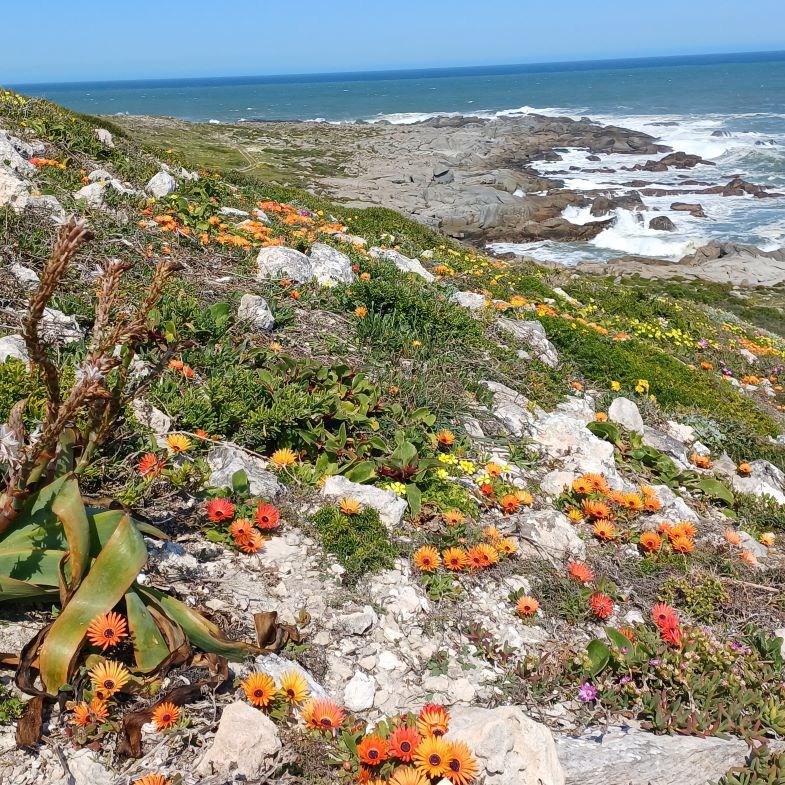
x=765 y=480
x=255 y=310
x=161 y=184
x=582 y=409
x=14 y=154
x=59 y=328
x=329 y=265
x=625 y=412
x=627 y=756
x=359 y=622
x=92 y=195
x=389 y=662
x=99 y=176
x=532 y=333
x=666 y=444
x=279 y=263
x=674 y=508
x=510 y=747
x=471 y=300
x=681 y=432
x=150 y=417
x=351 y=239
x=778 y=633
x=104 y=137
x=224 y=460
x=701 y=449
x=359 y=693
x=427 y=254
x=569 y=298
x=234 y=212
x=245 y=741
x=86 y=769
x=548 y=534
x=749 y=543
x=13 y=346
x=553 y=483
x=511 y=408
x=403 y=263
x=27 y=277
x=260 y=215
x=275 y=666
x=388 y=504
x=48 y=204
x=14 y=191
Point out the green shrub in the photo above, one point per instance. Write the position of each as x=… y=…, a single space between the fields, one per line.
x=360 y=542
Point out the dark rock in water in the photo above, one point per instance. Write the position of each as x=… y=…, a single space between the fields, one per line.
x=721 y=132
x=719 y=250
x=593 y=158
x=672 y=161
x=551 y=155
x=561 y=230
x=602 y=205
x=665 y=123
x=738 y=186
x=662 y=224
x=636 y=183
x=695 y=210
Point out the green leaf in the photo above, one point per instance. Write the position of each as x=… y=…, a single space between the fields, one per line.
x=240 y=484
x=716 y=490
x=617 y=639
x=361 y=472
x=599 y=654
x=606 y=430
x=150 y=649
x=109 y=578
x=12 y=589
x=414 y=497
x=70 y=510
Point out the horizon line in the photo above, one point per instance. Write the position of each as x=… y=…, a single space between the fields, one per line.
x=434 y=70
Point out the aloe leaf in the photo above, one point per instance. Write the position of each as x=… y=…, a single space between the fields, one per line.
x=12 y=589
x=30 y=565
x=110 y=576
x=150 y=648
x=70 y=511
x=201 y=632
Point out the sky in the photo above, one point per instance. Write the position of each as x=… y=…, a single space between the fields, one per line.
x=116 y=39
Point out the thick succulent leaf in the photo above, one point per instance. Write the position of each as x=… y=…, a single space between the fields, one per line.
x=109 y=578
x=69 y=509
x=12 y=589
x=37 y=523
x=35 y=566
x=103 y=524
x=150 y=648
x=201 y=632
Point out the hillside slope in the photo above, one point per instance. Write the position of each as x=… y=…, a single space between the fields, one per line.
x=548 y=502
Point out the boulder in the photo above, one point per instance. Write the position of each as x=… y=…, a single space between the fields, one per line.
x=673 y=448
x=511 y=408
x=255 y=310
x=627 y=756
x=86 y=769
x=695 y=210
x=150 y=417
x=548 y=534
x=329 y=265
x=532 y=333
x=279 y=263
x=59 y=328
x=359 y=693
x=104 y=137
x=13 y=346
x=662 y=224
x=14 y=154
x=471 y=300
x=358 y=622
x=388 y=504
x=765 y=480
x=275 y=666
x=14 y=191
x=161 y=184
x=510 y=747
x=625 y=412
x=92 y=195
x=225 y=460
x=27 y=277
x=403 y=263
x=245 y=741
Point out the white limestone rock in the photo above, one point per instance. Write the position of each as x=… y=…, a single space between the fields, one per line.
x=329 y=265
x=278 y=262
x=255 y=310
x=161 y=184
x=388 y=504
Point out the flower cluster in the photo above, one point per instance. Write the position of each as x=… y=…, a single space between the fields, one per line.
x=480 y=556
x=244 y=524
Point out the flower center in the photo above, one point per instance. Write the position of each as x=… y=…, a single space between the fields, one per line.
x=435 y=760
x=257 y=693
x=406 y=746
x=109 y=633
x=109 y=684
x=373 y=754
x=455 y=765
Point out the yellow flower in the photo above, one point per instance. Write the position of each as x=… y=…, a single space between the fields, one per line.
x=178 y=443
x=283 y=457
x=468 y=467
x=767 y=539
x=350 y=506
x=615 y=386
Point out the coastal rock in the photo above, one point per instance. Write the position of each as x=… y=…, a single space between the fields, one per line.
x=26 y=276
x=14 y=154
x=359 y=692
x=329 y=265
x=625 y=412
x=151 y=418
x=255 y=310
x=279 y=263
x=245 y=741
x=626 y=756
x=14 y=191
x=471 y=300
x=510 y=747
x=764 y=480
x=92 y=195
x=56 y=327
x=225 y=461
x=532 y=333
x=673 y=448
x=403 y=263
x=548 y=534
x=13 y=346
x=662 y=223
x=161 y=184
x=388 y=504
x=86 y=769
x=104 y=137
x=510 y=408
x=695 y=210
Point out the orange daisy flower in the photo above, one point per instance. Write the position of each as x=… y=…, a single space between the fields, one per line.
x=372 y=750
x=149 y=465
x=349 y=506
x=682 y=544
x=597 y=482
x=107 y=630
x=524 y=497
x=432 y=757
x=82 y=716
x=491 y=533
x=403 y=743
x=152 y=779
x=427 y=558
x=108 y=678
x=323 y=714
x=452 y=517
x=454 y=559
x=665 y=528
x=201 y=433
x=461 y=766
x=294 y=687
x=507 y=546
x=663 y=615
x=732 y=537
x=493 y=469
x=510 y=503
x=283 y=457
x=580 y=572
x=749 y=558
x=683 y=529
x=526 y=606
x=601 y=417
x=433 y=720
x=267 y=516
x=445 y=437
x=361 y=312
x=604 y=530
x=581 y=486
x=575 y=515
x=474 y=558
x=744 y=469
x=405 y=775
x=241 y=530
x=219 y=510
x=615 y=497
x=166 y=715
x=595 y=509
x=488 y=554
x=701 y=461
x=259 y=688
x=650 y=541
x=253 y=544
x=601 y=605
x=632 y=501
x=651 y=503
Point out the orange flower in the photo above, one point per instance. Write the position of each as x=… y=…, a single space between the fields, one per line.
x=682 y=544
x=283 y=457
x=187 y=371
x=349 y=506
x=601 y=605
x=454 y=559
x=201 y=433
x=372 y=750
x=259 y=688
x=427 y=558
x=601 y=417
x=294 y=687
x=461 y=766
x=241 y=530
x=615 y=497
x=267 y=516
x=149 y=465
x=452 y=517
x=732 y=537
x=152 y=779
x=749 y=558
x=165 y=715
x=575 y=515
x=526 y=606
x=683 y=529
x=493 y=469
x=651 y=503
x=510 y=503
x=108 y=678
x=491 y=533
x=580 y=572
x=701 y=461
x=488 y=554
x=433 y=720
x=219 y=510
x=581 y=486
x=665 y=528
x=107 y=630
x=404 y=742
x=596 y=482
x=506 y=546
x=524 y=497
x=650 y=541
x=253 y=544
x=432 y=757
x=323 y=714
x=445 y=437
x=604 y=529
x=595 y=509
x=632 y=501
x=82 y=716
x=474 y=558
x=663 y=615
x=361 y=312
x=744 y=469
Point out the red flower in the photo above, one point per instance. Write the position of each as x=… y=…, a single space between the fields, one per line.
x=372 y=750
x=219 y=510
x=601 y=605
x=486 y=489
x=149 y=465
x=664 y=616
x=671 y=633
x=267 y=516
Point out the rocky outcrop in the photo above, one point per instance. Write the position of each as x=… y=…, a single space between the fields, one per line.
x=662 y=223
x=532 y=333
x=161 y=184
x=329 y=265
x=279 y=263
x=695 y=210
x=225 y=461
x=403 y=263
x=625 y=412
x=387 y=503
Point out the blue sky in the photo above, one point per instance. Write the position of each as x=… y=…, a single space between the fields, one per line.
x=118 y=39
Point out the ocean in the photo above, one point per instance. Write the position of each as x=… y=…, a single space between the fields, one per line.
x=730 y=109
